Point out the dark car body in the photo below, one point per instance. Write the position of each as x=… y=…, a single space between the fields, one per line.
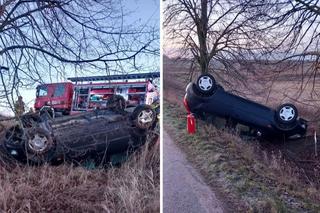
x=97 y=134
x=227 y=105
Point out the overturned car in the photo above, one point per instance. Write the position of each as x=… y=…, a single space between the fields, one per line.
x=96 y=134
x=206 y=97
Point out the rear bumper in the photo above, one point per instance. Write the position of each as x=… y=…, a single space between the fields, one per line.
x=192 y=101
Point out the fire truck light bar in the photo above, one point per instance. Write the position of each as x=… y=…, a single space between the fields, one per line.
x=116 y=77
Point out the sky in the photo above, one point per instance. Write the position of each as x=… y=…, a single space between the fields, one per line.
x=147 y=11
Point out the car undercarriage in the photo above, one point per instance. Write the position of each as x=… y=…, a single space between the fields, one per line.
x=96 y=135
x=207 y=98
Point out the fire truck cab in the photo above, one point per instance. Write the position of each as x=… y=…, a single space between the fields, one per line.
x=57 y=96
x=88 y=93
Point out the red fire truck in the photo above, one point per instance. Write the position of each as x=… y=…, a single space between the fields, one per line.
x=88 y=93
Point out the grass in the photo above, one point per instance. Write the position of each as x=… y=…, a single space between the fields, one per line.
x=133 y=187
x=245 y=174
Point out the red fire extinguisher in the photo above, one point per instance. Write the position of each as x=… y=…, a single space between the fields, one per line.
x=191 y=124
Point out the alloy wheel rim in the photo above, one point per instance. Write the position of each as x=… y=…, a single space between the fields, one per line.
x=287 y=113
x=38 y=143
x=145 y=117
x=205 y=83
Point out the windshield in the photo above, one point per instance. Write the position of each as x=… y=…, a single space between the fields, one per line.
x=42 y=91
x=59 y=90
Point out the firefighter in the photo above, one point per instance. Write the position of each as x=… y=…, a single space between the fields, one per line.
x=19 y=106
x=150 y=86
x=152 y=94
x=31 y=110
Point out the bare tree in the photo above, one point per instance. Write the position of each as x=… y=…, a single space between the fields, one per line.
x=43 y=39
x=210 y=31
x=288 y=27
x=242 y=36
x=288 y=33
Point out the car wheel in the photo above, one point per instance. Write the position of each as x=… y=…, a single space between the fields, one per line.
x=116 y=102
x=206 y=84
x=287 y=114
x=14 y=142
x=143 y=116
x=39 y=146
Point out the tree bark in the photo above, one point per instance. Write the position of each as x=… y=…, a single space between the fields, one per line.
x=202 y=36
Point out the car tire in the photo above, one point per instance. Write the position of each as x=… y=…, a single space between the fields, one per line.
x=39 y=146
x=117 y=102
x=143 y=116
x=287 y=114
x=206 y=84
x=14 y=142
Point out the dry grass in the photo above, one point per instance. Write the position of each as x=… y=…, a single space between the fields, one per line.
x=135 y=186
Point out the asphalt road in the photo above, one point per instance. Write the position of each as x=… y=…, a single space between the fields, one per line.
x=183 y=187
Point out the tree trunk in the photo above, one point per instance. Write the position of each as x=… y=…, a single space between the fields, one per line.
x=202 y=35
